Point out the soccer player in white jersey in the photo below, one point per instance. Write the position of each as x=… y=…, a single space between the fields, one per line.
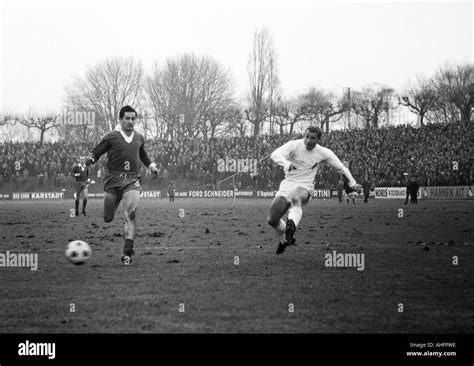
x=300 y=160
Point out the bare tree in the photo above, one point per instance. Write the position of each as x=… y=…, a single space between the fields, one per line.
x=263 y=79
x=280 y=115
x=216 y=100
x=190 y=95
x=163 y=96
x=43 y=122
x=287 y=113
x=322 y=107
x=274 y=93
x=8 y=118
x=455 y=87
x=145 y=121
x=218 y=117
x=233 y=122
x=370 y=102
x=242 y=127
x=8 y=129
x=105 y=89
x=420 y=99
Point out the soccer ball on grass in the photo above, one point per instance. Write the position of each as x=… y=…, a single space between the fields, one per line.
x=78 y=252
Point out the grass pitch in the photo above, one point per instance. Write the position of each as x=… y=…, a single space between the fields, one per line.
x=215 y=269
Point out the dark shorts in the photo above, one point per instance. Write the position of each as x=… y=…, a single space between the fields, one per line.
x=80 y=186
x=119 y=184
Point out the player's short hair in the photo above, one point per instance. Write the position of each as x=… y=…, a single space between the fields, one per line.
x=125 y=109
x=315 y=129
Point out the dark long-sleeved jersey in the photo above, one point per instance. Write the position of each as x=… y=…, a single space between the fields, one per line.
x=83 y=172
x=122 y=156
x=366 y=186
x=413 y=186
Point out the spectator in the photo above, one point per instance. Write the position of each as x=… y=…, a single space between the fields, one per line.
x=384 y=153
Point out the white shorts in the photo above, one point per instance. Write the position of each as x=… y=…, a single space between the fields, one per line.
x=288 y=188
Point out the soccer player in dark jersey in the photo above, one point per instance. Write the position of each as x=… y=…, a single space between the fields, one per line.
x=366 y=188
x=340 y=190
x=81 y=172
x=350 y=193
x=171 y=191
x=413 y=188
x=125 y=150
x=406 y=183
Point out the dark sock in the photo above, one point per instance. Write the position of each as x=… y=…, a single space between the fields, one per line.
x=128 y=247
x=77 y=205
x=84 y=204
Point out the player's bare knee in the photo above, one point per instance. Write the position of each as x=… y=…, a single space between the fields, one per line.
x=131 y=213
x=295 y=201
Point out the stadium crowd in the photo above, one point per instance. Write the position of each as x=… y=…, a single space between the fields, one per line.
x=383 y=155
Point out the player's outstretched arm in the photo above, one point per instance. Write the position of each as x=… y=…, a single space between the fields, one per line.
x=145 y=159
x=280 y=156
x=98 y=151
x=334 y=162
x=88 y=181
x=75 y=172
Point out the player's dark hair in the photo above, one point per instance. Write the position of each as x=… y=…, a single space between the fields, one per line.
x=315 y=129
x=125 y=109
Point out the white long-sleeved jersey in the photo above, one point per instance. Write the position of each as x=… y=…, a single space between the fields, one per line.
x=307 y=162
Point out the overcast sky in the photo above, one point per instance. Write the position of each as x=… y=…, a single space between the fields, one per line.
x=329 y=45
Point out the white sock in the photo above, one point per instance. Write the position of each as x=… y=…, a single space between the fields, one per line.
x=280 y=230
x=295 y=213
